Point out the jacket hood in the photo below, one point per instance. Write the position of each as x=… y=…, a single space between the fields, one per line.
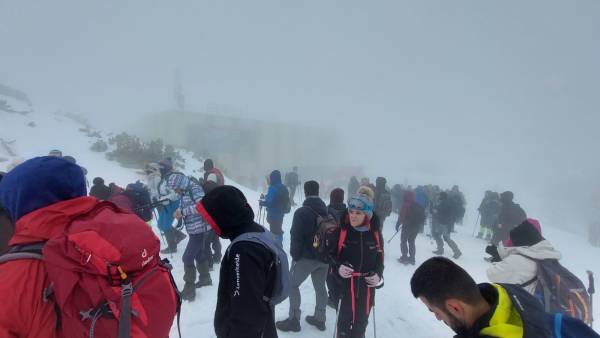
x=227 y=211
x=275 y=178
x=542 y=250
x=48 y=222
x=317 y=204
x=38 y=183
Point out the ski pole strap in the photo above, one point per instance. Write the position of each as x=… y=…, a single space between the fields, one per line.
x=125 y=315
x=353 y=299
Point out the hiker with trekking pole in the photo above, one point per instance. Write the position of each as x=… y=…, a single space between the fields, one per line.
x=357 y=258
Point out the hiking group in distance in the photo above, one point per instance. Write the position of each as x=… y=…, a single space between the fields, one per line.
x=70 y=267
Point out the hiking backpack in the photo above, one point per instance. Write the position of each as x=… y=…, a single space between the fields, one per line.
x=105 y=277
x=139 y=195
x=279 y=266
x=560 y=290
x=326 y=226
x=283 y=200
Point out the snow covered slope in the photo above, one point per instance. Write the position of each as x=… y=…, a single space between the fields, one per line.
x=397 y=313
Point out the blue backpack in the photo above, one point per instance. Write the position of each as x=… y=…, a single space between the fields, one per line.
x=279 y=266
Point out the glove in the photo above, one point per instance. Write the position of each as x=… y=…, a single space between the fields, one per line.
x=373 y=280
x=492 y=250
x=345 y=271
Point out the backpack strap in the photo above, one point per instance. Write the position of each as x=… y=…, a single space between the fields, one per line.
x=378 y=243
x=26 y=251
x=341 y=240
x=558 y=318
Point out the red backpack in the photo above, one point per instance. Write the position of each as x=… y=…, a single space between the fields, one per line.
x=106 y=278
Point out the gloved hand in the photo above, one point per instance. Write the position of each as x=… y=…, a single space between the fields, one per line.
x=373 y=280
x=345 y=271
x=492 y=250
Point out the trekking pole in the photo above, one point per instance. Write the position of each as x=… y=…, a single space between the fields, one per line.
x=591 y=291
x=397 y=231
x=476 y=222
x=337 y=317
x=374 y=322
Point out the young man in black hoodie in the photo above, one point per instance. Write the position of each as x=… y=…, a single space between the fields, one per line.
x=304 y=262
x=242 y=311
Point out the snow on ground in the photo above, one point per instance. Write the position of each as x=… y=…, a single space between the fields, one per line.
x=397 y=312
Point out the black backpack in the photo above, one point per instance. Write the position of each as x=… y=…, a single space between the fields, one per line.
x=139 y=195
x=283 y=200
x=560 y=290
x=322 y=244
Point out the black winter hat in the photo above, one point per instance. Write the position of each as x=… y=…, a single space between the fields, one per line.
x=336 y=196
x=311 y=188
x=380 y=182
x=208 y=164
x=507 y=196
x=525 y=235
x=98 y=181
x=226 y=208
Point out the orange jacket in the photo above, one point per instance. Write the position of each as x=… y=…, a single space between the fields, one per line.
x=23 y=313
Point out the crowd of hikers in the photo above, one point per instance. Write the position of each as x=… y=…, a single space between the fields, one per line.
x=69 y=266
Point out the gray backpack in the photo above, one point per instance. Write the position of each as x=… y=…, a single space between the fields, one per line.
x=279 y=266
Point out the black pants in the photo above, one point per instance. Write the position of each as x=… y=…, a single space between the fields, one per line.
x=352 y=323
x=333 y=285
x=407 y=241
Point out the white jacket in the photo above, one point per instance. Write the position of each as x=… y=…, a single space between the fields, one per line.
x=516 y=269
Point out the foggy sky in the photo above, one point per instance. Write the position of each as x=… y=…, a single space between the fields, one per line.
x=498 y=94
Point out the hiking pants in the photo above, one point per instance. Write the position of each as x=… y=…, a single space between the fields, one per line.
x=196 y=249
x=357 y=302
x=443 y=232
x=407 y=241
x=298 y=274
x=293 y=194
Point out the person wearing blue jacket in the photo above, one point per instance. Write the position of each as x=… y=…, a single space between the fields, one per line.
x=275 y=200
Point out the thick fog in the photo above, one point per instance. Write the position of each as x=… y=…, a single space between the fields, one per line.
x=500 y=95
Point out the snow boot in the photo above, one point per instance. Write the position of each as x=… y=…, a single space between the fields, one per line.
x=439 y=252
x=189 y=288
x=403 y=259
x=316 y=323
x=203 y=274
x=171 y=243
x=457 y=255
x=289 y=325
x=411 y=260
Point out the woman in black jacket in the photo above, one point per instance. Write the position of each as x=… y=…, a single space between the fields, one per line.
x=358 y=260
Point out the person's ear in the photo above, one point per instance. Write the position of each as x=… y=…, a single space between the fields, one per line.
x=455 y=307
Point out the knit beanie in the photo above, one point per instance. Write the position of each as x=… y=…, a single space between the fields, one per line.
x=362 y=201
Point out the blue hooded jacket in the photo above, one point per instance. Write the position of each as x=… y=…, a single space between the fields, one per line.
x=274 y=208
x=38 y=183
